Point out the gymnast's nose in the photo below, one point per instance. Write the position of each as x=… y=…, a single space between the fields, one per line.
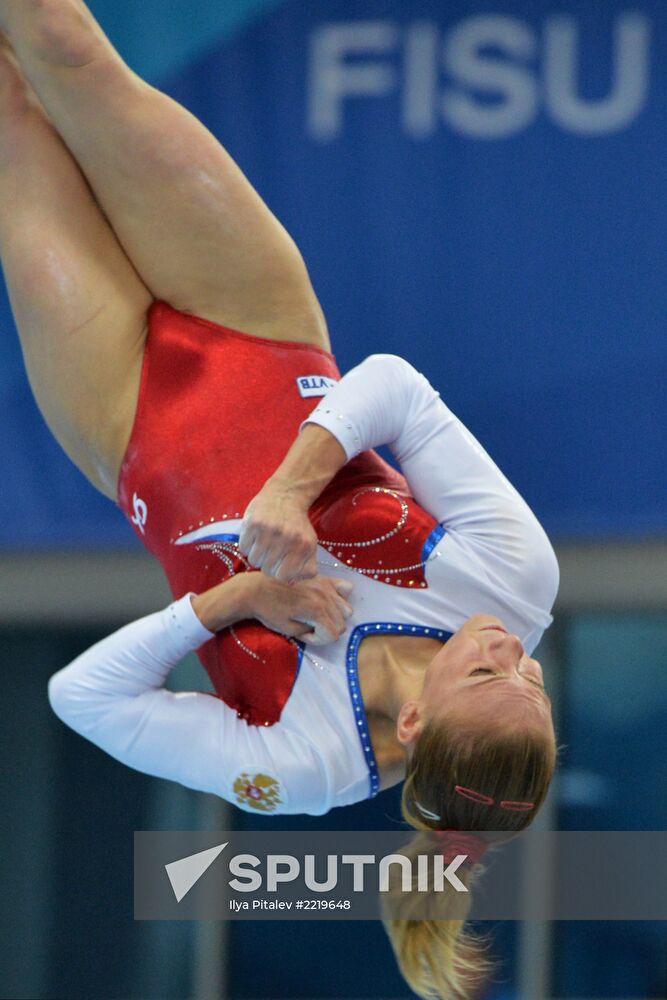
x=507 y=649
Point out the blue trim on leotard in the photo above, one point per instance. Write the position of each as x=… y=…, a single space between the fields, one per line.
x=432 y=540
x=359 y=633
x=217 y=537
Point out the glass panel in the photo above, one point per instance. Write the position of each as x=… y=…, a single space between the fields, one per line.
x=69 y=813
x=614 y=776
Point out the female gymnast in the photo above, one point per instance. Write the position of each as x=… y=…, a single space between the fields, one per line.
x=389 y=635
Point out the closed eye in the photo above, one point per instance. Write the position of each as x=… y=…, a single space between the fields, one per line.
x=488 y=670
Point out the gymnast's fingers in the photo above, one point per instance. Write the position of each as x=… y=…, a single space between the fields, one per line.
x=346 y=609
x=330 y=623
x=306 y=566
x=257 y=554
x=272 y=566
x=320 y=635
x=282 y=559
x=342 y=590
x=325 y=617
x=299 y=630
x=299 y=563
x=274 y=556
x=246 y=537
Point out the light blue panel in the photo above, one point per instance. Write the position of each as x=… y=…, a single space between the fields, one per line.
x=156 y=38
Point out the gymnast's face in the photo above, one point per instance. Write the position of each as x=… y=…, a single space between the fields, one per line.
x=482 y=672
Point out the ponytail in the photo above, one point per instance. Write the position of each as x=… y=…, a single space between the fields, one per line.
x=437 y=955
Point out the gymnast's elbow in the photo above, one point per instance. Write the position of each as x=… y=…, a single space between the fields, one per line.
x=386 y=363
x=544 y=573
x=61 y=695
x=75 y=702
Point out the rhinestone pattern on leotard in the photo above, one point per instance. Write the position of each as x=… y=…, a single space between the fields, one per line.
x=225 y=548
x=380 y=571
x=222 y=548
x=359 y=633
x=224 y=545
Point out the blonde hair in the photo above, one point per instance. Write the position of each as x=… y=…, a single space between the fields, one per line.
x=436 y=955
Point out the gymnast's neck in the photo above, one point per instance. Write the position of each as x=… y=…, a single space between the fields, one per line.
x=391 y=671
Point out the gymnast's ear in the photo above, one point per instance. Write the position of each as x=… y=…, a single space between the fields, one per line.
x=409 y=723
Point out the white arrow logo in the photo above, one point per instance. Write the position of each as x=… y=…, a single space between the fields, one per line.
x=185 y=872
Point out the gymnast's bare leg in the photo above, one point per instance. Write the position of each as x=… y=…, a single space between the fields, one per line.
x=78 y=303
x=118 y=197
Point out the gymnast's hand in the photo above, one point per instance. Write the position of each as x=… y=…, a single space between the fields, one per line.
x=312 y=610
x=276 y=534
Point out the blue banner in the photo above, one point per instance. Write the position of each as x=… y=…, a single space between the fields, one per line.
x=475 y=186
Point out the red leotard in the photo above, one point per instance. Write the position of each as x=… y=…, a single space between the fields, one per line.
x=217 y=412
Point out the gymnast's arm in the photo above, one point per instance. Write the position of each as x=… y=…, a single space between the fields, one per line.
x=384 y=400
x=113 y=695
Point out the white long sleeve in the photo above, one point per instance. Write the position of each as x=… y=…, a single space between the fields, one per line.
x=384 y=400
x=113 y=695
x=494 y=558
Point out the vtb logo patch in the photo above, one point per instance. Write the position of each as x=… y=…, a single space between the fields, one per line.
x=314 y=385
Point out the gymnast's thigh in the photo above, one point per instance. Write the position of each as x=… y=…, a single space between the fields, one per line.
x=194 y=228
x=79 y=306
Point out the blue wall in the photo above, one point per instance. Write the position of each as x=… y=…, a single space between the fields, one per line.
x=478 y=186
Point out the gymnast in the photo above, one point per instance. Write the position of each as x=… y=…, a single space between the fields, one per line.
x=361 y=626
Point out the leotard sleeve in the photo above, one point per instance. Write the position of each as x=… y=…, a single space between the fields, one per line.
x=113 y=695
x=384 y=400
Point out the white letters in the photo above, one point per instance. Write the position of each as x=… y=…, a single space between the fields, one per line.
x=406 y=871
x=331 y=80
x=253 y=879
x=420 y=90
x=440 y=874
x=248 y=879
x=309 y=873
x=487 y=77
x=358 y=861
x=468 y=65
x=629 y=76
x=422 y=872
x=274 y=876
